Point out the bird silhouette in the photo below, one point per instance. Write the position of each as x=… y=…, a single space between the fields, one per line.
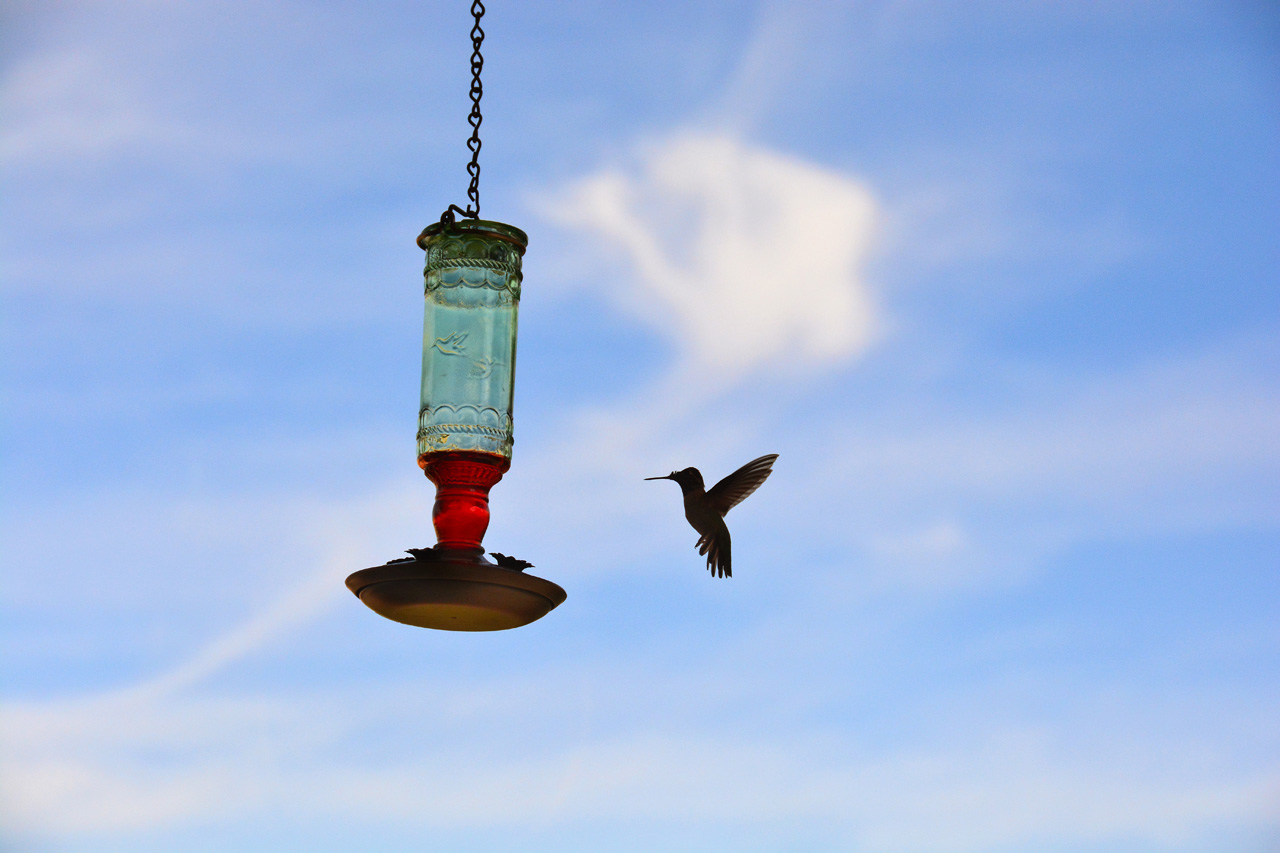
x=705 y=509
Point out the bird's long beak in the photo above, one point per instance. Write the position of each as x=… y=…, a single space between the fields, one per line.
x=668 y=477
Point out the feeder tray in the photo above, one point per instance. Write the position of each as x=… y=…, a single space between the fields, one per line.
x=455 y=591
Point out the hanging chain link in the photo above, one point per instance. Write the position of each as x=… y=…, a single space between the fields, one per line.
x=474 y=119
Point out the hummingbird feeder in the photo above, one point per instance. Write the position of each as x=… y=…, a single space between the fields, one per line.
x=472 y=294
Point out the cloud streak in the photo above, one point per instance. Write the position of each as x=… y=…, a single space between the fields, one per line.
x=83 y=769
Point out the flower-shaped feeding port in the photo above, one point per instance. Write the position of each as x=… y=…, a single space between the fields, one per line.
x=473 y=278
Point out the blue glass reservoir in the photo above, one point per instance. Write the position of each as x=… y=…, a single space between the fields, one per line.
x=472 y=300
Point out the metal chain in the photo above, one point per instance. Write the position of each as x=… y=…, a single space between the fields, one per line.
x=474 y=119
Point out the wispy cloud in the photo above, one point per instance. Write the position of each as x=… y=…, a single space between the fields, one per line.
x=766 y=65
x=81 y=763
x=78 y=108
x=71 y=105
x=85 y=768
x=742 y=258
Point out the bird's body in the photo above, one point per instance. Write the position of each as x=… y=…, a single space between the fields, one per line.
x=705 y=510
x=713 y=533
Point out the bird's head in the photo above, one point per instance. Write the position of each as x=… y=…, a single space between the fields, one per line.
x=689 y=479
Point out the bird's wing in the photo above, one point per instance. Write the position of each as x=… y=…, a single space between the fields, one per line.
x=735 y=488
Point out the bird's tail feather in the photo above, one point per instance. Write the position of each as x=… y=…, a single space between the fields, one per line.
x=717 y=550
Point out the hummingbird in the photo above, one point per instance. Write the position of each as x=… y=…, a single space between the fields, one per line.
x=705 y=509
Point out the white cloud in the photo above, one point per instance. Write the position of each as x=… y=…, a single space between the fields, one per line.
x=79 y=106
x=944 y=496
x=743 y=258
x=89 y=767
x=1176 y=433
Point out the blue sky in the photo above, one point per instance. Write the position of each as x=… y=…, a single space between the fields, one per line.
x=997 y=281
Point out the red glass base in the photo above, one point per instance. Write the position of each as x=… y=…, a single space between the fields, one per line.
x=463 y=479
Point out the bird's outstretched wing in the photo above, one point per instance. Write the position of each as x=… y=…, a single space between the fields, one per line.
x=735 y=488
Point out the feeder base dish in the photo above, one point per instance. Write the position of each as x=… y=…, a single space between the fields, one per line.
x=455 y=591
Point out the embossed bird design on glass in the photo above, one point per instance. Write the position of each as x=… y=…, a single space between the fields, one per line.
x=705 y=509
